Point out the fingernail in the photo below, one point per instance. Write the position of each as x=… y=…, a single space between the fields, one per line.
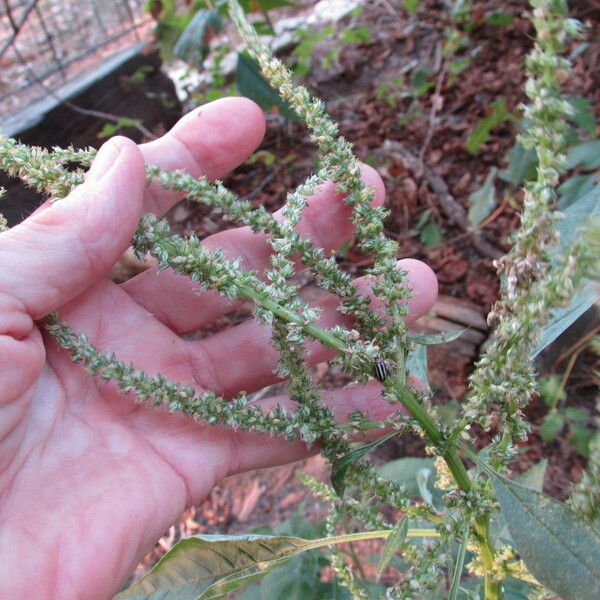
x=105 y=159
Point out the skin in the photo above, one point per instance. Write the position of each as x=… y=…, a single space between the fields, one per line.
x=89 y=480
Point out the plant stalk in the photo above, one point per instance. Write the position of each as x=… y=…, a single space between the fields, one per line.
x=412 y=405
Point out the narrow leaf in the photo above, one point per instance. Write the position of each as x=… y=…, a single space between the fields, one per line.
x=459 y=565
x=560 y=551
x=432 y=339
x=574 y=219
x=552 y=425
x=585 y=155
x=574 y=188
x=520 y=165
x=483 y=201
x=416 y=364
x=584 y=115
x=253 y=85
x=207 y=567
x=485 y=126
x=193 y=44
x=394 y=542
x=340 y=467
x=422 y=483
x=404 y=471
x=563 y=318
x=431 y=235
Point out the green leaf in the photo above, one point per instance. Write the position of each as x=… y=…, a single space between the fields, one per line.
x=583 y=116
x=168 y=30
x=112 y=128
x=459 y=65
x=247 y=5
x=576 y=414
x=515 y=589
x=532 y=479
x=433 y=339
x=394 y=542
x=563 y=318
x=574 y=219
x=560 y=551
x=192 y=45
x=498 y=18
x=482 y=130
x=431 y=235
x=423 y=218
x=298 y=579
x=339 y=468
x=585 y=155
x=252 y=84
x=207 y=567
x=161 y=9
x=551 y=390
x=459 y=565
x=416 y=364
x=551 y=426
x=356 y=35
x=412 y=6
x=483 y=201
x=576 y=216
x=580 y=438
x=574 y=188
x=404 y=471
x=420 y=82
x=108 y=130
x=520 y=165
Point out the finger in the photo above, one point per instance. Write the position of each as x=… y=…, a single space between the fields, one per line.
x=243 y=358
x=175 y=301
x=240 y=358
x=187 y=444
x=210 y=140
x=261 y=451
x=115 y=324
x=57 y=253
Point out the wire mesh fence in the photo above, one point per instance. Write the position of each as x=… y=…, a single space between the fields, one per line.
x=44 y=44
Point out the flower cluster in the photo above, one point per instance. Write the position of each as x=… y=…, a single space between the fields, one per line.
x=534 y=283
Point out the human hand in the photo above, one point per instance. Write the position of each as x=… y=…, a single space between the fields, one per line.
x=89 y=479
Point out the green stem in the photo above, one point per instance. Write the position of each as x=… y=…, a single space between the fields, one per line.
x=314 y=331
x=409 y=401
x=493 y=589
x=416 y=410
x=406 y=398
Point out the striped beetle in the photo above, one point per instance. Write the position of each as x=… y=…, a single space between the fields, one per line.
x=381 y=369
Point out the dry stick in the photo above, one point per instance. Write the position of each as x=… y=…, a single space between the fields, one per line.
x=434 y=108
x=16 y=26
x=588 y=336
x=101 y=115
x=78 y=109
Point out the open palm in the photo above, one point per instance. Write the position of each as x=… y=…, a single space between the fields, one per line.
x=89 y=479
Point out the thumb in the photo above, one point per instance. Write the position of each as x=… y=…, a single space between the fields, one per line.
x=55 y=254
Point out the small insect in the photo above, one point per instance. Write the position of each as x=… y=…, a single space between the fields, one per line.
x=381 y=369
